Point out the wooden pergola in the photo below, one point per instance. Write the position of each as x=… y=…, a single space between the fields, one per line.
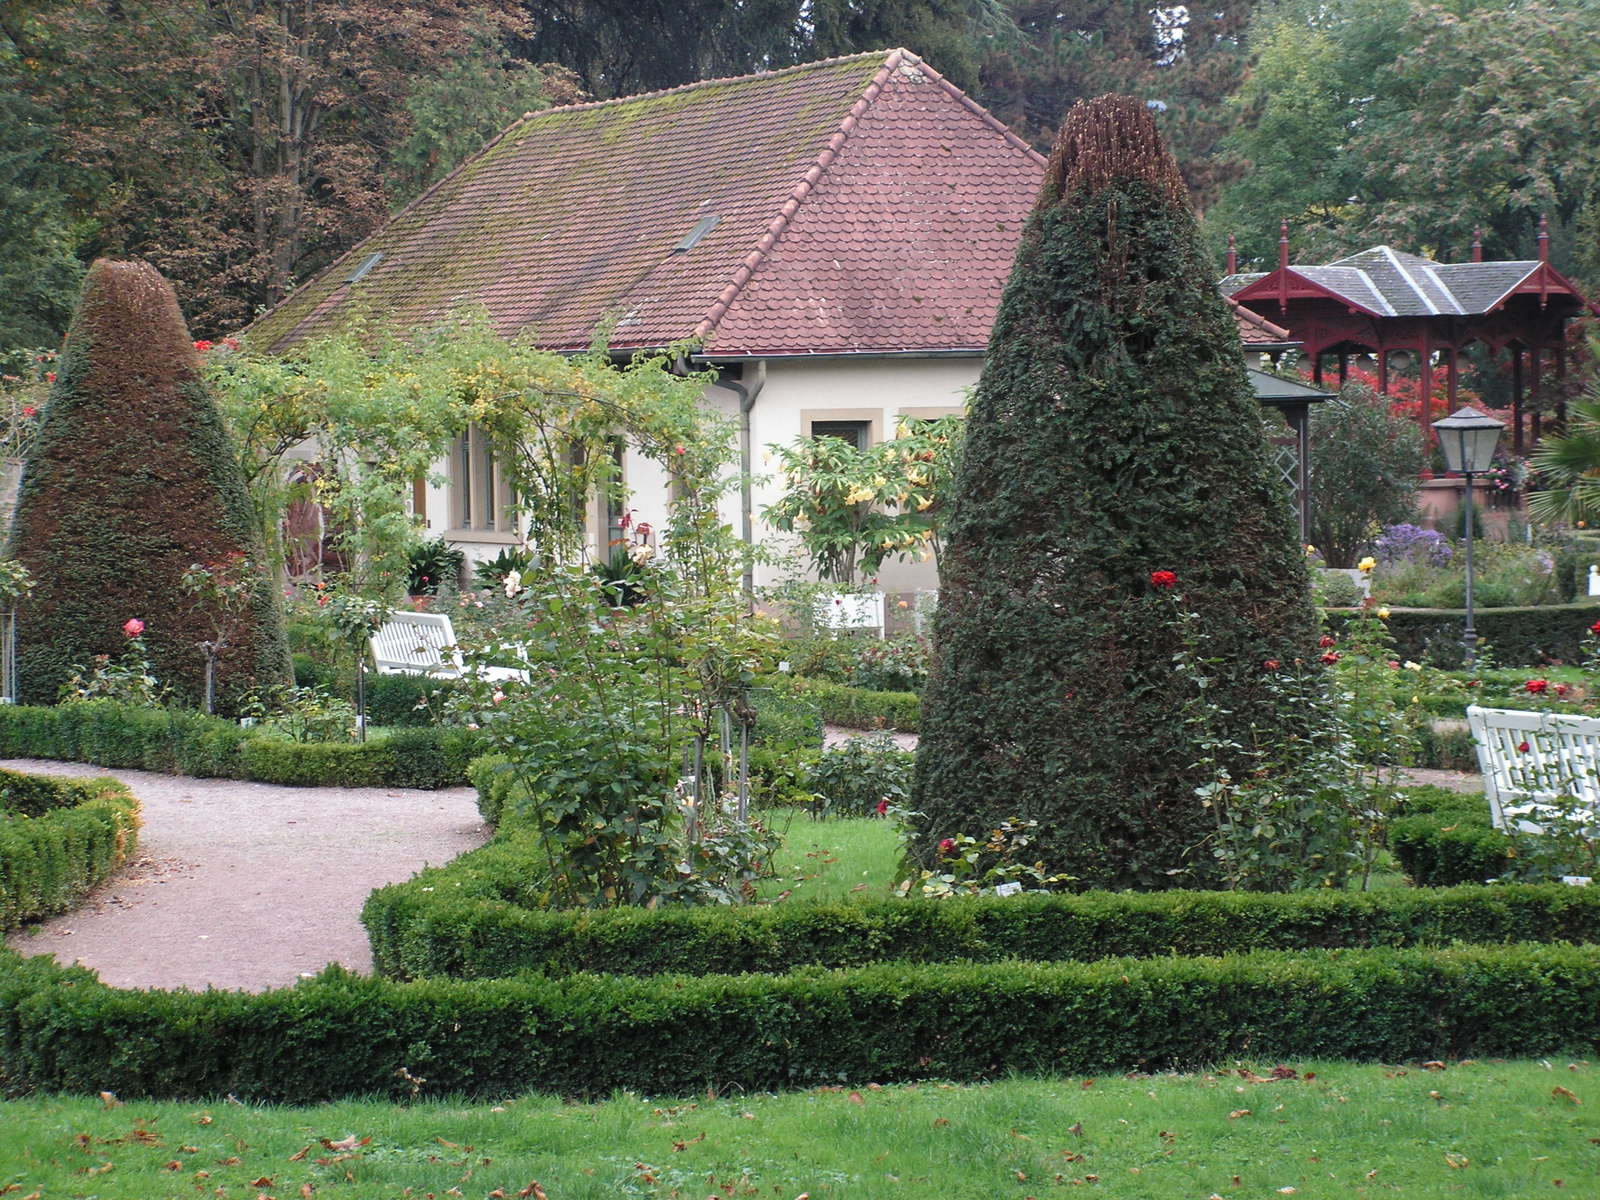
x=1383 y=302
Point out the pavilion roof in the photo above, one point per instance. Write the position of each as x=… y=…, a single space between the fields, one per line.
x=1391 y=283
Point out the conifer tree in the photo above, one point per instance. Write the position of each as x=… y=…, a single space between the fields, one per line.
x=130 y=483
x=1113 y=438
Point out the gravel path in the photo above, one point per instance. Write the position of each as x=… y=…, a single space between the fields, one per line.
x=248 y=885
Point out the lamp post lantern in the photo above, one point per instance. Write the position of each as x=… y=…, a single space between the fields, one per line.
x=1468 y=439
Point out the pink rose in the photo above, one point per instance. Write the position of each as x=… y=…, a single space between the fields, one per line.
x=134 y=627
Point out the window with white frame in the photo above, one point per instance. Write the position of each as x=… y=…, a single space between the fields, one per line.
x=481 y=498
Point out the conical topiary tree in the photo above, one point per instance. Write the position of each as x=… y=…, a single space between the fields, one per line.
x=132 y=481
x=1114 y=435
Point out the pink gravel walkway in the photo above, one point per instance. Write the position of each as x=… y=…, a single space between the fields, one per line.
x=248 y=885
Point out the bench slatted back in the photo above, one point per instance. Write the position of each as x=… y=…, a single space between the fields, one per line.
x=414 y=643
x=1561 y=756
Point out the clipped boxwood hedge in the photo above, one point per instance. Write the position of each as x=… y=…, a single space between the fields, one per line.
x=184 y=742
x=857 y=708
x=58 y=839
x=464 y=920
x=1520 y=637
x=343 y=1035
x=1447 y=838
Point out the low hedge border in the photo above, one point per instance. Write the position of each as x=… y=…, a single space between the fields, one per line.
x=1447 y=838
x=464 y=921
x=857 y=708
x=1520 y=637
x=58 y=839
x=177 y=741
x=342 y=1035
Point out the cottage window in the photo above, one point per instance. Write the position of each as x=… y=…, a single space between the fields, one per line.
x=481 y=495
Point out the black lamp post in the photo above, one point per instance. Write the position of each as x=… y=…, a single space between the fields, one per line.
x=1468 y=439
x=1294 y=401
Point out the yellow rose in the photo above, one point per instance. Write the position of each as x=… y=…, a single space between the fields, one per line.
x=1367 y=565
x=1383 y=613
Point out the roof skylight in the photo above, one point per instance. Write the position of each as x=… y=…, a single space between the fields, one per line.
x=701 y=227
x=365 y=265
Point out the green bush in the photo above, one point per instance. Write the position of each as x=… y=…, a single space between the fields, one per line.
x=111 y=514
x=1113 y=440
x=468 y=920
x=58 y=839
x=183 y=742
x=857 y=708
x=342 y=1035
x=1446 y=838
x=1521 y=637
x=392 y=699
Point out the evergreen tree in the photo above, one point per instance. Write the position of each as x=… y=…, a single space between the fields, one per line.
x=130 y=482
x=1113 y=438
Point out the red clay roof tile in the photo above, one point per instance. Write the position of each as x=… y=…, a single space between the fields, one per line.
x=863 y=204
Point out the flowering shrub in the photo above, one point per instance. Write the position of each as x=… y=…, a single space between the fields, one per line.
x=898 y=665
x=855 y=778
x=127 y=678
x=995 y=865
x=1412 y=543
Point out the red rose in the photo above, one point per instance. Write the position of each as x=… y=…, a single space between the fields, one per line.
x=30 y=411
x=1522 y=747
x=1163 y=579
x=133 y=627
x=1595 y=628
x=1329 y=659
x=1562 y=689
x=1325 y=642
x=202 y=346
x=50 y=376
x=947 y=847
x=1538 y=687
x=1271 y=664
x=883 y=807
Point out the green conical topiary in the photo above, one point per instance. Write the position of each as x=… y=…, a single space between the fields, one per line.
x=131 y=481
x=1114 y=434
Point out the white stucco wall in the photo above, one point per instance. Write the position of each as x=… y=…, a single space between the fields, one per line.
x=796 y=392
x=800 y=391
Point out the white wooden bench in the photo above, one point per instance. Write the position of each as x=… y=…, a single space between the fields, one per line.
x=1529 y=759
x=418 y=643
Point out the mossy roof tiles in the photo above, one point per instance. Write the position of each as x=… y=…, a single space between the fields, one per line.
x=864 y=204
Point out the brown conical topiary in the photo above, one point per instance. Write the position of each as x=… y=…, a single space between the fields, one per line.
x=131 y=481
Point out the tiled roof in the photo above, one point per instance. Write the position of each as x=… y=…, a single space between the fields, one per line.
x=860 y=204
x=1391 y=283
x=1256 y=330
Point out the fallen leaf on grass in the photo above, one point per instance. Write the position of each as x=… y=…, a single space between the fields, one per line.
x=1021 y=1178
x=349 y=1143
x=1435 y=1065
x=264 y=1182
x=1561 y=1093
x=1077 y=1129
x=534 y=1190
x=301 y=1155
x=497 y=1194
x=174 y=1165
x=328 y=1162
x=1456 y=1160
x=1250 y=1076
x=677 y=1146
x=856 y=1098
x=1087 y=1083
x=1288 y=1191
x=228 y=1162
x=202 y=1118
x=110 y=1099
x=1237 y=1113
x=100 y=1170
x=1071 y=1157
x=450 y=1145
x=188 y=1149
x=305 y=1191
x=938 y=1121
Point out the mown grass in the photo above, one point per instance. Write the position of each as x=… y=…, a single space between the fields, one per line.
x=832 y=859
x=1474 y=1130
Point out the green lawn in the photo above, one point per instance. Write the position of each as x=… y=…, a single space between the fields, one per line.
x=832 y=859
x=1490 y=1129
